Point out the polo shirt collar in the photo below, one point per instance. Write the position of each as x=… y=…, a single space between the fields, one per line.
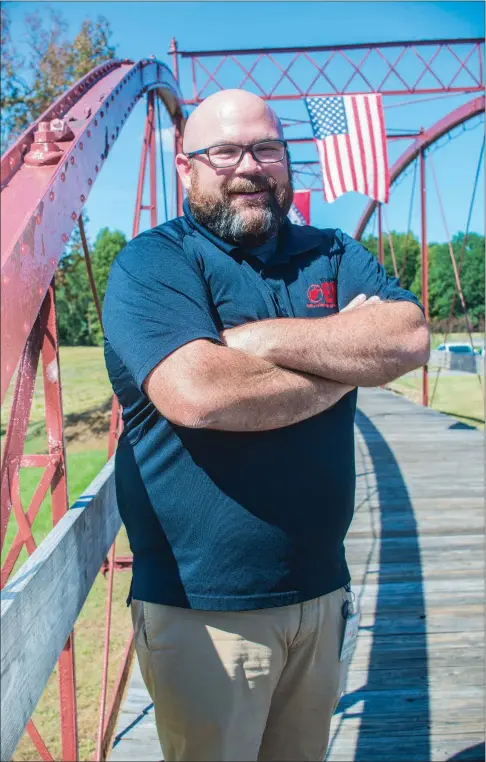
x=292 y=239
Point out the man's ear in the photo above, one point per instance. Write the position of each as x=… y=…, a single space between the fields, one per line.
x=183 y=166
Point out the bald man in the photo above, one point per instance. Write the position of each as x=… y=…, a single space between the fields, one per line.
x=235 y=342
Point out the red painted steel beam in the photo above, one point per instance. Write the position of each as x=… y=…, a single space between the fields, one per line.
x=209 y=66
x=319 y=48
x=41 y=204
x=426 y=139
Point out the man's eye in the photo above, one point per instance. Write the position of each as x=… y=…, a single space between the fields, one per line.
x=225 y=151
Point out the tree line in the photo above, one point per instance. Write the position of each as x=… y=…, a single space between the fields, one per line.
x=468 y=250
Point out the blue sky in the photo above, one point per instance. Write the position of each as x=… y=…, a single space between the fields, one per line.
x=144 y=28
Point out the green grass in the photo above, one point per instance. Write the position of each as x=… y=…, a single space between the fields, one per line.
x=438 y=338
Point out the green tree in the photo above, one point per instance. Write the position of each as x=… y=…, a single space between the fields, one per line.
x=73 y=295
x=407 y=255
x=442 y=283
x=107 y=245
x=53 y=62
x=77 y=318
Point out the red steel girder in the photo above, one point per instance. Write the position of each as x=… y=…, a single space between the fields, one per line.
x=40 y=204
x=465 y=53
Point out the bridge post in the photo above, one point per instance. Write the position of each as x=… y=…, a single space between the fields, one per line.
x=381 y=252
x=177 y=130
x=425 y=264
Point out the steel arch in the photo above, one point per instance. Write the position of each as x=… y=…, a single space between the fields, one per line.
x=40 y=204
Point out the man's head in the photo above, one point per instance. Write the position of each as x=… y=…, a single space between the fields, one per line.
x=247 y=202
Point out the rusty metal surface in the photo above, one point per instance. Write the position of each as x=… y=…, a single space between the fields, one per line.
x=41 y=204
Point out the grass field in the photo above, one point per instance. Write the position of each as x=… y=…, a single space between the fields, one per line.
x=87 y=404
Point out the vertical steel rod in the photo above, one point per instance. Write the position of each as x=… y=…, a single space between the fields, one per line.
x=177 y=130
x=425 y=266
x=59 y=496
x=381 y=251
x=152 y=153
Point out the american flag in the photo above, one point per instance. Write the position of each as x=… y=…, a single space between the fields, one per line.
x=350 y=135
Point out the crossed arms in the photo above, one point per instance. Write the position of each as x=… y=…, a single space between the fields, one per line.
x=273 y=373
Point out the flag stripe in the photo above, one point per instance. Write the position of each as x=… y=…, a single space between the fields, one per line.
x=362 y=149
x=374 y=168
x=329 y=194
x=333 y=168
x=339 y=164
x=356 y=162
x=351 y=165
x=375 y=118
x=386 y=170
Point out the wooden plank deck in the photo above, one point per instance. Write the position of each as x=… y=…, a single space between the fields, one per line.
x=415 y=689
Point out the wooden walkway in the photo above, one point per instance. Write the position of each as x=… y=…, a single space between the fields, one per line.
x=415 y=690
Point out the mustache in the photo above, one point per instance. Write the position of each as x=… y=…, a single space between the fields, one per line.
x=252 y=185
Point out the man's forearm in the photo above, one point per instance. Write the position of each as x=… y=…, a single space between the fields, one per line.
x=215 y=387
x=362 y=347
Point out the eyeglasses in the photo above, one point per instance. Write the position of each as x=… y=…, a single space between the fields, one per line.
x=229 y=155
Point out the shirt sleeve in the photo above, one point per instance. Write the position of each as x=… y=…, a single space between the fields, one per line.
x=359 y=272
x=156 y=301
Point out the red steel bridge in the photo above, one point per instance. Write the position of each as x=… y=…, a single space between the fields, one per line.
x=405 y=522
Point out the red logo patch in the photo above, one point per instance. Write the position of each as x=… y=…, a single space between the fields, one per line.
x=322 y=294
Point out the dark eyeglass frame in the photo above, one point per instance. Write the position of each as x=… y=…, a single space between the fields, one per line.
x=249 y=148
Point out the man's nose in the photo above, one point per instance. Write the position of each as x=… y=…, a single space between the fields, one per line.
x=248 y=163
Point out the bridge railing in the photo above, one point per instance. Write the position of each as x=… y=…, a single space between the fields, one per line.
x=41 y=603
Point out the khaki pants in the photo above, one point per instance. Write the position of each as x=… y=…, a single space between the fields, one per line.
x=244 y=685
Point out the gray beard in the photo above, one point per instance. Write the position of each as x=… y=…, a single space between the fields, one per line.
x=232 y=227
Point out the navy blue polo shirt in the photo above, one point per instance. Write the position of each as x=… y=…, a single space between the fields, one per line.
x=228 y=520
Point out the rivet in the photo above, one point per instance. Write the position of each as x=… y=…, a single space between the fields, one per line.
x=24 y=248
x=80 y=146
x=74 y=215
x=101 y=114
x=72 y=159
x=112 y=98
x=113 y=136
x=102 y=157
x=64 y=237
x=63 y=176
x=88 y=133
x=96 y=168
x=38 y=219
x=96 y=122
x=51 y=195
x=82 y=198
x=90 y=182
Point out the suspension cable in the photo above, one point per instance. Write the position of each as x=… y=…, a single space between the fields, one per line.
x=454 y=264
x=162 y=163
x=89 y=268
x=390 y=242
x=410 y=212
x=461 y=261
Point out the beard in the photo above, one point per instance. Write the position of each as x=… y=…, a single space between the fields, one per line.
x=247 y=223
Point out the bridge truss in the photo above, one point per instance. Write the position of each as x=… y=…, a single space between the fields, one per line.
x=46 y=179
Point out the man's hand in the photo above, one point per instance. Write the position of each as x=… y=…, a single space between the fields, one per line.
x=361 y=301
x=248 y=337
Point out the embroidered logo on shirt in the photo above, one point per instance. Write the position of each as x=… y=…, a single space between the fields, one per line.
x=322 y=294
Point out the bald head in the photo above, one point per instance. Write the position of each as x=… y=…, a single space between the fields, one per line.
x=235 y=116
